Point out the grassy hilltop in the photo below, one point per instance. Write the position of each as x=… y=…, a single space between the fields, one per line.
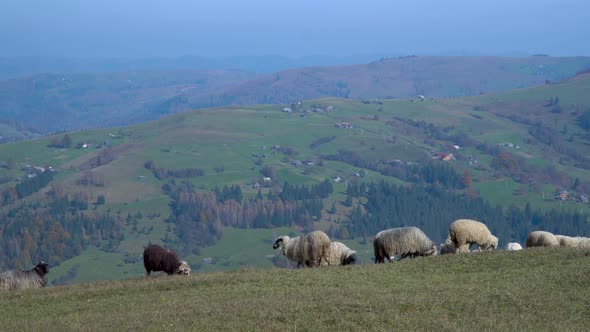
x=538 y=289
x=229 y=144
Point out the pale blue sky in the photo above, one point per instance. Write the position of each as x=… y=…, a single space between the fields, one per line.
x=139 y=28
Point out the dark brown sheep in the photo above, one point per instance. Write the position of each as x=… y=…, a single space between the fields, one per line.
x=156 y=258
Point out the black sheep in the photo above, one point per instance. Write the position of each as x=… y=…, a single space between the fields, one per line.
x=156 y=258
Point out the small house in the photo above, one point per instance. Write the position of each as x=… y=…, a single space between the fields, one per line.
x=563 y=195
x=346 y=125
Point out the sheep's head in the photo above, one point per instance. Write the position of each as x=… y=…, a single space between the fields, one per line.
x=431 y=251
x=492 y=244
x=184 y=268
x=280 y=241
x=351 y=259
x=447 y=248
x=42 y=268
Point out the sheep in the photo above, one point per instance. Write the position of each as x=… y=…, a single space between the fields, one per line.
x=18 y=280
x=541 y=239
x=340 y=254
x=513 y=246
x=308 y=250
x=404 y=242
x=583 y=242
x=447 y=247
x=465 y=232
x=156 y=258
x=567 y=241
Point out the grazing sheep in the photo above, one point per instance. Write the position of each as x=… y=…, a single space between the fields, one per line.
x=308 y=250
x=340 y=254
x=541 y=239
x=567 y=241
x=404 y=242
x=465 y=232
x=583 y=242
x=513 y=246
x=18 y=280
x=447 y=247
x=156 y=258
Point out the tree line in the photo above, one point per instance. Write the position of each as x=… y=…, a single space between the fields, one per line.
x=199 y=217
x=52 y=231
x=432 y=208
x=163 y=173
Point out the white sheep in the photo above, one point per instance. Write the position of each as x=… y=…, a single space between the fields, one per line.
x=404 y=242
x=513 y=246
x=465 y=232
x=340 y=254
x=567 y=241
x=583 y=242
x=541 y=239
x=308 y=250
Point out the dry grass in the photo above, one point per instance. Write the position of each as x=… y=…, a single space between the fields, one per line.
x=532 y=290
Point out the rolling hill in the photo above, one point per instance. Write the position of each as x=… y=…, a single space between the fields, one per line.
x=402 y=77
x=65 y=102
x=127 y=186
x=48 y=103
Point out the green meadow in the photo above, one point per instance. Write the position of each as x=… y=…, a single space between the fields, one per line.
x=532 y=290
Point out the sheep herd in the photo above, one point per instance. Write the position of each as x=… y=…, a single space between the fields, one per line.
x=404 y=242
x=547 y=239
x=316 y=249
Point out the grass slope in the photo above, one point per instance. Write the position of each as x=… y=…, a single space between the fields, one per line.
x=538 y=289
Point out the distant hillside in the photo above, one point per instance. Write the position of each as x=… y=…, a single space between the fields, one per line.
x=402 y=78
x=14 y=67
x=65 y=102
x=62 y=102
x=218 y=184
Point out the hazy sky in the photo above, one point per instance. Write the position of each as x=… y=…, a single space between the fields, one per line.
x=138 y=28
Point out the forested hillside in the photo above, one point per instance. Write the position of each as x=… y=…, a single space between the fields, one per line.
x=52 y=102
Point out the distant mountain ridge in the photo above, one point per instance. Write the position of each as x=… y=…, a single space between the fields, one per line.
x=13 y=67
x=403 y=77
x=64 y=102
